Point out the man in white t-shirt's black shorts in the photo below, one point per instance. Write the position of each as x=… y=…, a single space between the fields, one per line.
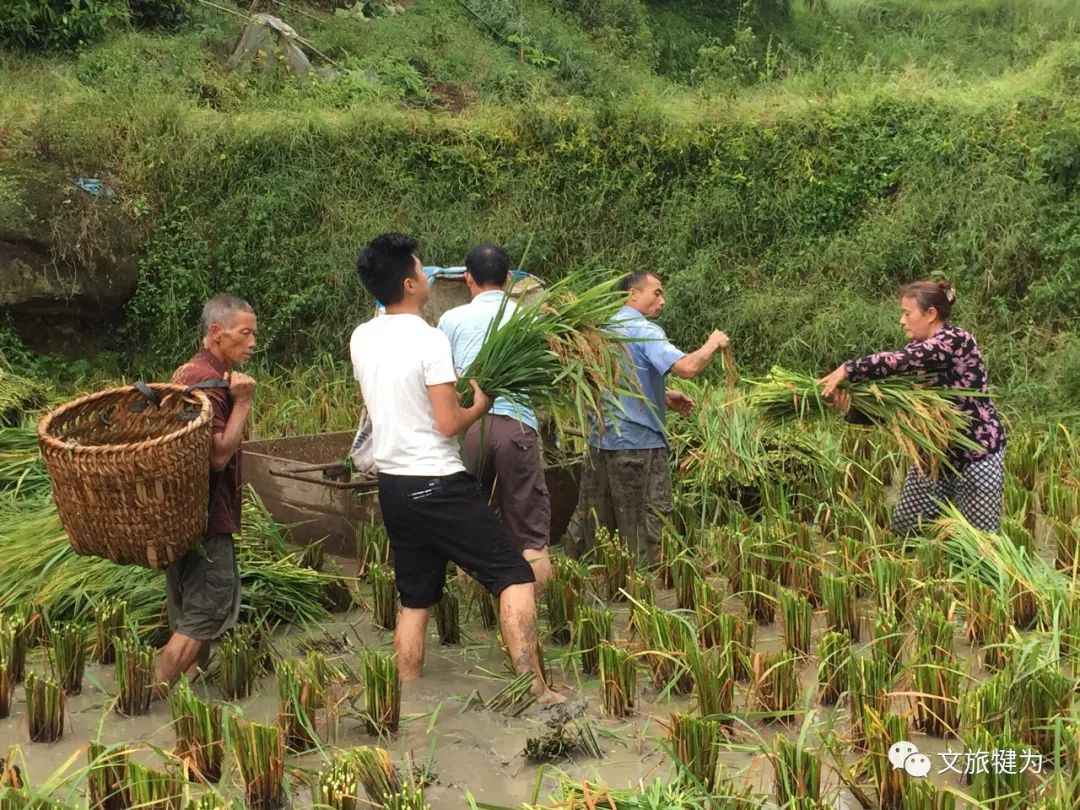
x=434 y=511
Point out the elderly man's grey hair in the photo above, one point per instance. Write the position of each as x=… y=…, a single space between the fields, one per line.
x=221 y=309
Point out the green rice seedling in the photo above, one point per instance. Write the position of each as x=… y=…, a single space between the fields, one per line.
x=376 y=772
x=709 y=604
x=150 y=789
x=999 y=633
x=199 y=734
x=298 y=699
x=384 y=596
x=563 y=588
x=696 y=745
x=736 y=635
x=487 y=607
x=978 y=603
x=776 y=683
x=1063 y=497
x=408 y=798
x=515 y=697
x=618 y=673
x=854 y=566
x=337 y=595
x=796 y=774
x=110 y=620
x=448 y=617
x=890 y=576
x=106 y=777
x=372 y=546
x=1026 y=607
x=13 y=645
x=685 y=575
x=337 y=787
x=986 y=707
x=641 y=589
x=1066 y=543
x=592 y=626
x=672 y=547
x=922 y=422
x=614 y=559
x=667 y=636
x=834 y=653
x=7 y=688
x=382 y=693
x=798 y=616
x=260 y=755
x=838 y=597
x=239 y=662
x=758 y=597
x=922 y=794
x=882 y=730
x=67 y=655
x=889 y=641
x=134 y=677
x=714 y=682
x=869 y=683
x=995 y=787
x=1040 y=694
x=46 y=705
x=935 y=673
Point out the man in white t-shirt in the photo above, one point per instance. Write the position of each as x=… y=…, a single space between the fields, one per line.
x=434 y=511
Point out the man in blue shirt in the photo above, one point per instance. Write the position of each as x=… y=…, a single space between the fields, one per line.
x=503 y=449
x=626 y=478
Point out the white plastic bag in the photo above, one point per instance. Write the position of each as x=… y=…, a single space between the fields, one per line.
x=362 y=452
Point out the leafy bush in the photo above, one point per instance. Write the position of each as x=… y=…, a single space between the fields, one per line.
x=57 y=25
x=160 y=13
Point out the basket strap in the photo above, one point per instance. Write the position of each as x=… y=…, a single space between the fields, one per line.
x=206 y=384
x=147 y=392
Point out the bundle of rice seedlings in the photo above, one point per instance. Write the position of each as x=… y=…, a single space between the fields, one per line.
x=685 y=575
x=709 y=602
x=46 y=705
x=298 y=698
x=199 y=734
x=614 y=559
x=213 y=801
x=888 y=641
x=312 y=556
x=239 y=662
x=1040 y=694
x=796 y=773
x=337 y=595
x=667 y=636
x=714 y=682
x=448 y=617
x=890 y=575
x=758 y=597
x=337 y=787
x=19 y=396
x=978 y=602
x=110 y=620
x=798 y=616
x=641 y=590
x=486 y=605
x=106 y=777
x=776 y=683
x=592 y=626
x=987 y=706
x=922 y=421
x=562 y=589
x=672 y=546
x=382 y=693
x=67 y=655
x=515 y=697
x=384 y=596
x=134 y=677
x=554 y=352
x=372 y=546
x=870 y=681
x=935 y=673
x=999 y=633
x=834 y=652
x=566 y=738
x=922 y=794
x=1066 y=543
x=7 y=687
x=375 y=771
x=882 y=731
x=838 y=597
x=997 y=788
x=696 y=743
x=150 y=789
x=618 y=673
x=260 y=755
x=408 y=798
x=13 y=645
x=735 y=634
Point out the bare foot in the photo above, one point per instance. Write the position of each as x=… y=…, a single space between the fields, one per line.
x=544 y=696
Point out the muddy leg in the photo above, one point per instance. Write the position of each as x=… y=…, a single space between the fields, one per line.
x=517 y=621
x=409 y=642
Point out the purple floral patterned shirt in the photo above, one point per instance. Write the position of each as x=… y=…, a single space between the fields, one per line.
x=950 y=359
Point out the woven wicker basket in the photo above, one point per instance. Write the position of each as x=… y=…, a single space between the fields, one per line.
x=131 y=478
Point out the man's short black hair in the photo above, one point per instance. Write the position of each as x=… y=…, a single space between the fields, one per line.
x=488 y=264
x=635 y=278
x=384 y=265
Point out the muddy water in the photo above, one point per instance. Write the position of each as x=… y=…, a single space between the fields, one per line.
x=470 y=751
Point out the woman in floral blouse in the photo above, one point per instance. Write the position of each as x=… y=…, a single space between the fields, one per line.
x=951 y=359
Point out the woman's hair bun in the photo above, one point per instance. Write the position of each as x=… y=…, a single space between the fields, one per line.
x=947 y=289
